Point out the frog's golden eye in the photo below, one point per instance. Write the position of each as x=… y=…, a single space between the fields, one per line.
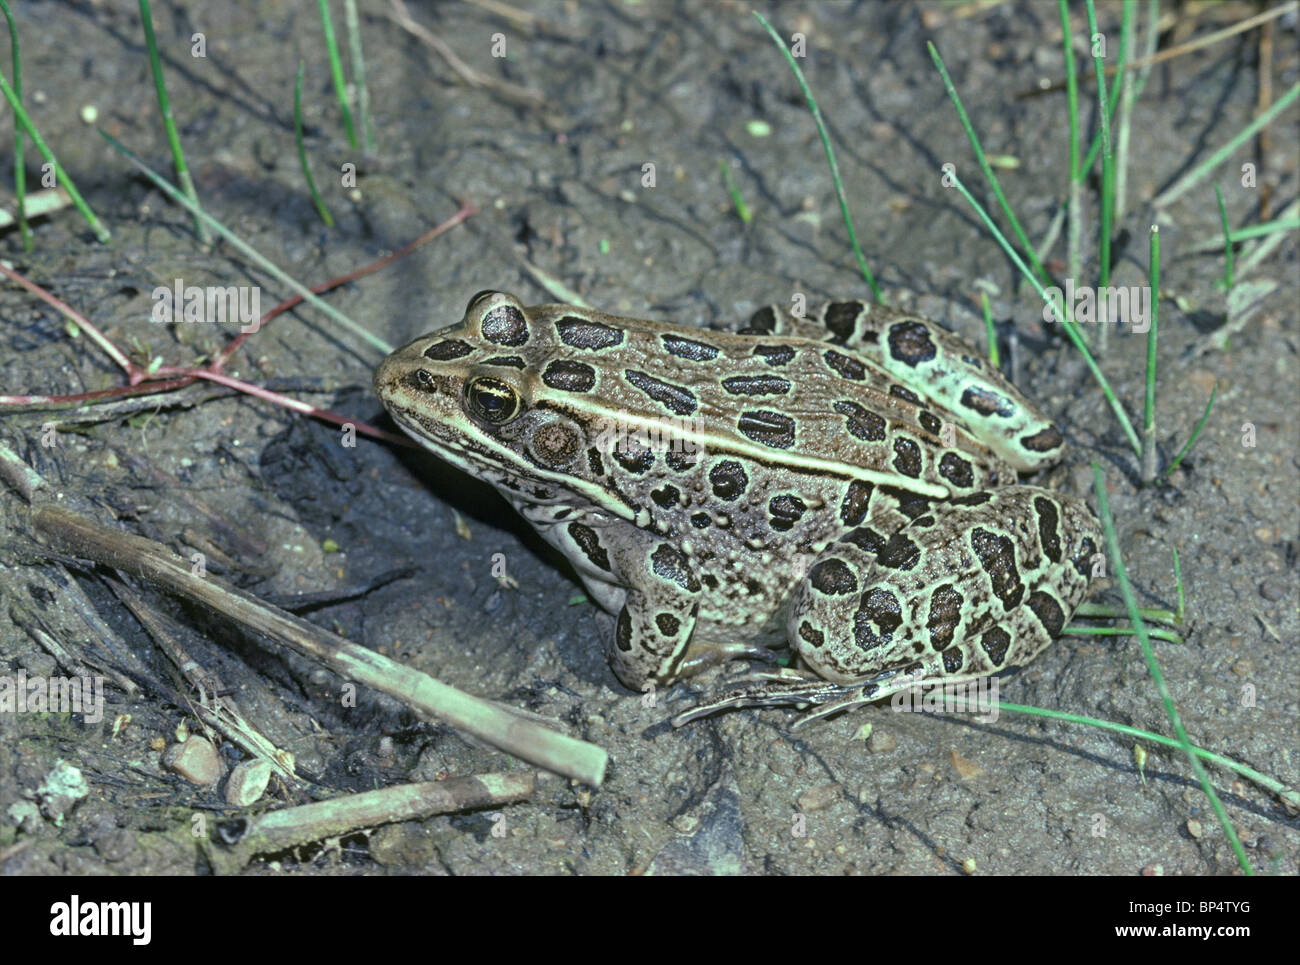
x=492 y=400
x=478 y=297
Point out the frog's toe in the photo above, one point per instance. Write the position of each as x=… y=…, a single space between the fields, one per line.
x=766 y=688
x=702 y=656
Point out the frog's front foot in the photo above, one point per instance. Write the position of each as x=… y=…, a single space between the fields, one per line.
x=702 y=656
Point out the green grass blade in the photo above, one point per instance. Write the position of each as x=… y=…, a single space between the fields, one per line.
x=169 y=123
x=990 y=335
x=1103 y=114
x=1267 y=228
x=336 y=71
x=1149 y=452
x=1071 y=329
x=248 y=251
x=1126 y=591
x=20 y=171
x=830 y=156
x=1227 y=241
x=983 y=163
x=1104 y=612
x=302 y=151
x=1107 y=184
x=554 y=287
x=1130 y=91
x=101 y=231
x=1195 y=432
x=1074 y=231
x=1178 y=583
x=1194 y=176
x=1118 y=83
x=742 y=209
x=1169 y=636
x=1251 y=258
x=1273 y=785
x=353 y=26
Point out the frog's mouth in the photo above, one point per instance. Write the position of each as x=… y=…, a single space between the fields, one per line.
x=500 y=466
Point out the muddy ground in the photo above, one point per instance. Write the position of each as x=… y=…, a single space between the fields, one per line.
x=280 y=508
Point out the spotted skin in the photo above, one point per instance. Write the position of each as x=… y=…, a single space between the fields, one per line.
x=844 y=483
x=939 y=366
x=999 y=572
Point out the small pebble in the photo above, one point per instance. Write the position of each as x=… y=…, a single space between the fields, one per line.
x=685 y=823
x=1271 y=590
x=196 y=760
x=1194 y=828
x=965 y=769
x=816 y=798
x=882 y=742
x=248 y=782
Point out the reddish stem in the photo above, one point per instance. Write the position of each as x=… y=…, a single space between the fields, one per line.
x=170 y=378
x=223 y=356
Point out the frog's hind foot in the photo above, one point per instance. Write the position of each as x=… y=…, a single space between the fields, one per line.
x=792 y=688
x=770 y=688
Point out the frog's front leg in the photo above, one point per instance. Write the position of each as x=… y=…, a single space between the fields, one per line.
x=650 y=588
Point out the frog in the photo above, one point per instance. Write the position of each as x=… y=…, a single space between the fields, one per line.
x=842 y=484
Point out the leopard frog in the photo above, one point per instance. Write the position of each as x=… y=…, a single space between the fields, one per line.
x=844 y=482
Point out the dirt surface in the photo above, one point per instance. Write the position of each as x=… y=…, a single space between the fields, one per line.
x=280 y=507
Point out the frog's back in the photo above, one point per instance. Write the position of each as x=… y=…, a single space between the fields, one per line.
x=793 y=402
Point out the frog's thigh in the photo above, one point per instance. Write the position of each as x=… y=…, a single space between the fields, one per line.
x=654 y=624
x=922 y=601
x=846 y=617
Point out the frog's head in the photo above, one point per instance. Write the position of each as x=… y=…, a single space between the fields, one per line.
x=497 y=396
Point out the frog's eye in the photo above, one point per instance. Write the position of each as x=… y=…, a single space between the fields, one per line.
x=478 y=297
x=491 y=400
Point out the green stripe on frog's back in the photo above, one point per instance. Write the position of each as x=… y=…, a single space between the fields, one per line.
x=793 y=402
